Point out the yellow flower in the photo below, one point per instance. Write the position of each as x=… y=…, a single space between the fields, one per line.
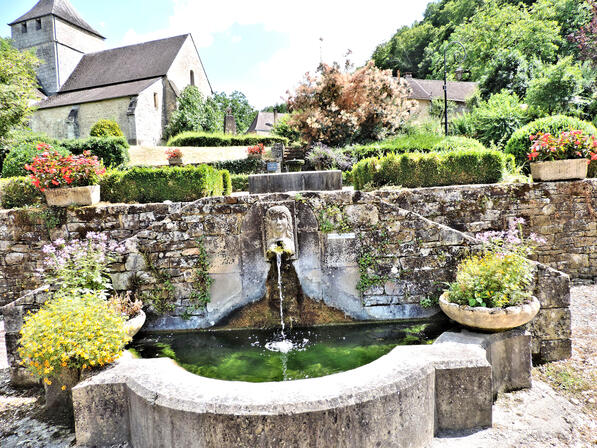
x=47 y=381
x=63 y=387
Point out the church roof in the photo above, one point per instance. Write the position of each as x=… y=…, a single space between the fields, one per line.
x=264 y=123
x=58 y=8
x=125 y=64
x=97 y=94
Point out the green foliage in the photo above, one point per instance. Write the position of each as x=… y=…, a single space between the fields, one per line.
x=226 y=182
x=18 y=84
x=106 y=128
x=508 y=70
x=437 y=108
x=494 y=280
x=398 y=144
x=433 y=169
x=206 y=139
x=200 y=295
x=493 y=121
x=556 y=86
x=19 y=192
x=162 y=294
x=22 y=154
x=455 y=143
x=250 y=165
x=240 y=182
x=19 y=136
x=112 y=151
x=520 y=143
x=237 y=102
x=177 y=184
x=195 y=113
x=332 y=219
x=283 y=128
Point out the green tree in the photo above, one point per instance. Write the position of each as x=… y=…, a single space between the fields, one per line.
x=195 y=113
x=237 y=102
x=556 y=88
x=17 y=86
x=509 y=70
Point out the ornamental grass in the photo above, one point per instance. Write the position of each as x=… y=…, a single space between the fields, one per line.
x=77 y=329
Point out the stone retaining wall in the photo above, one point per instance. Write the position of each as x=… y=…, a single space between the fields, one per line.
x=564 y=213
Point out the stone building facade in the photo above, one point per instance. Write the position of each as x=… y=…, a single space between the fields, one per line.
x=137 y=86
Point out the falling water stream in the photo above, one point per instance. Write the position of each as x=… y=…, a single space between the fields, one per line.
x=279 y=264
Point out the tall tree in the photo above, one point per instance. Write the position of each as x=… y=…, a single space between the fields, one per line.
x=585 y=39
x=18 y=86
x=239 y=105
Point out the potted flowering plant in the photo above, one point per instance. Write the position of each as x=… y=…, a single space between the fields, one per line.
x=174 y=156
x=492 y=291
x=66 y=180
x=564 y=157
x=256 y=151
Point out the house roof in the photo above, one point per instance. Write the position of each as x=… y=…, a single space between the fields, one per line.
x=263 y=122
x=97 y=94
x=125 y=64
x=58 y=8
x=429 y=89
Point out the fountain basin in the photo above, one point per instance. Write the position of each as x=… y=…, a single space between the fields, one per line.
x=399 y=400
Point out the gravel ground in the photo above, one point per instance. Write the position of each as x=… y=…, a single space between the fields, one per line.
x=559 y=411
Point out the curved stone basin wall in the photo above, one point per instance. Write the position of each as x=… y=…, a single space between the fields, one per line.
x=399 y=400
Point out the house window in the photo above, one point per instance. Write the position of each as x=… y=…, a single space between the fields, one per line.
x=192 y=78
x=24 y=28
x=155 y=100
x=38 y=24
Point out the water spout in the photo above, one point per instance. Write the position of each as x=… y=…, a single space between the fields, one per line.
x=279 y=264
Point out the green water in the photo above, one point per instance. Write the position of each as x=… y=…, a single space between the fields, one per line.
x=242 y=355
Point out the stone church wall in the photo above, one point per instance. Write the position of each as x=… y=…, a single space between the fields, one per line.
x=149 y=117
x=187 y=60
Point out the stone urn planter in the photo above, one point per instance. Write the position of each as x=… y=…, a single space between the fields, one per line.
x=64 y=197
x=559 y=170
x=175 y=161
x=58 y=394
x=490 y=319
x=134 y=324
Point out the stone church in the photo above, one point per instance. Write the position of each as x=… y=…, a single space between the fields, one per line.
x=137 y=86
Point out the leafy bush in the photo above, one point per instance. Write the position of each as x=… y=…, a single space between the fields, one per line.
x=205 y=139
x=520 y=142
x=241 y=166
x=433 y=169
x=106 y=128
x=282 y=128
x=112 y=151
x=226 y=182
x=492 y=121
x=177 y=184
x=195 y=113
x=323 y=157
x=74 y=330
x=455 y=143
x=23 y=154
x=398 y=144
x=339 y=108
x=19 y=192
x=17 y=137
x=240 y=182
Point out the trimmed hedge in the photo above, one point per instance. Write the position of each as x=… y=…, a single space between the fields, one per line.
x=401 y=144
x=415 y=170
x=240 y=182
x=19 y=192
x=520 y=143
x=23 y=153
x=205 y=139
x=106 y=128
x=242 y=166
x=226 y=182
x=455 y=143
x=176 y=184
x=112 y=151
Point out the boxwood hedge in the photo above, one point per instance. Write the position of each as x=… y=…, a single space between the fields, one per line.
x=205 y=139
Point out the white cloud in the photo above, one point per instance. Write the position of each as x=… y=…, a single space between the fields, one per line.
x=349 y=24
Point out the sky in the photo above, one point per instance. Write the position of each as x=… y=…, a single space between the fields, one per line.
x=262 y=48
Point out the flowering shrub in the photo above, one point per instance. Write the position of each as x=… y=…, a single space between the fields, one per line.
x=173 y=153
x=52 y=170
x=125 y=305
x=80 y=264
x=502 y=276
x=256 y=150
x=74 y=330
x=323 y=157
x=568 y=145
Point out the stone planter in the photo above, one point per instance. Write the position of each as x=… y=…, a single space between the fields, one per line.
x=64 y=197
x=133 y=325
x=59 y=401
x=490 y=319
x=175 y=161
x=559 y=170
